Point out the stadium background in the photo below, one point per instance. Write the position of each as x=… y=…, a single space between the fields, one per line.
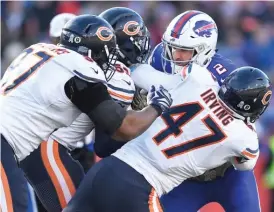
x=246 y=36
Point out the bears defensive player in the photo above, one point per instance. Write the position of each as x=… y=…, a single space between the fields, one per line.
x=192 y=37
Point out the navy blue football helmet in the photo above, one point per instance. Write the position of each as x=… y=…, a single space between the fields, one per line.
x=94 y=37
x=133 y=37
x=247 y=92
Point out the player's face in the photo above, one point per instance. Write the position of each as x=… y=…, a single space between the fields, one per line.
x=180 y=55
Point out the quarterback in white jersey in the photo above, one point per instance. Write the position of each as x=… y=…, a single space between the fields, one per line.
x=48 y=87
x=204 y=128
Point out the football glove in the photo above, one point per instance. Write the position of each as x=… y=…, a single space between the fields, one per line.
x=159 y=98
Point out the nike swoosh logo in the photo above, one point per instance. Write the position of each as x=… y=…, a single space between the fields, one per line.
x=128 y=82
x=222 y=80
x=95 y=70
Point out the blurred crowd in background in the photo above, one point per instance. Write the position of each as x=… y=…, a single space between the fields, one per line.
x=246 y=30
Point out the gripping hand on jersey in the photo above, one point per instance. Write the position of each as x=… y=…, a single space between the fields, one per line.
x=159 y=98
x=140 y=99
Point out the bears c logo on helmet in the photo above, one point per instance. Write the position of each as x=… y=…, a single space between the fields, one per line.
x=132 y=28
x=104 y=33
x=266 y=97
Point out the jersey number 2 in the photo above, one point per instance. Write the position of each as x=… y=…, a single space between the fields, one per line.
x=177 y=117
x=10 y=84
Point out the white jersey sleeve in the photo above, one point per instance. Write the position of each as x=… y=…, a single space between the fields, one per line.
x=145 y=76
x=85 y=68
x=247 y=150
x=243 y=164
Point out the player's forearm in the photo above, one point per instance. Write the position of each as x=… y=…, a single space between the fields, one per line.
x=135 y=123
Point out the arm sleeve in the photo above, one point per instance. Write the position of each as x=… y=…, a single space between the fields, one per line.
x=247 y=155
x=94 y=100
x=144 y=76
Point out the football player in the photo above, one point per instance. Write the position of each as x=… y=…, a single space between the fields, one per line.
x=203 y=129
x=192 y=37
x=53 y=191
x=133 y=39
x=47 y=87
x=195 y=43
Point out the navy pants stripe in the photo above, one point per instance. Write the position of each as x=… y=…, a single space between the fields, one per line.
x=53 y=174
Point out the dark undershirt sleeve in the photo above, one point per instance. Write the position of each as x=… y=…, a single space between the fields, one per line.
x=94 y=100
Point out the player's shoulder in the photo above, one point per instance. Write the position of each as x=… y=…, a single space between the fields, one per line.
x=221 y=67
x=81 y=66
x=122 y=69
x=121 y=86
x=200 y=74
x=224 y=61
x=122 y=76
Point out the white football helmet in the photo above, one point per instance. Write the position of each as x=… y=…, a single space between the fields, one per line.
x=191 y=30
x=57 y=24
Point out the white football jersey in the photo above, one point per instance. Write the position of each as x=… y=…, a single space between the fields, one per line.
x=33 y=102
x=121 y=88
x=195 y=135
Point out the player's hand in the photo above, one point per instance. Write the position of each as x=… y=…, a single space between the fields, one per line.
x=159 y=98
x=140 y=99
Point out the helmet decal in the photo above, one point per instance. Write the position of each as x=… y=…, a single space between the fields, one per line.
x=204 y=28
x=104 y=33
x=181 y=23
x=266 y=98
x=132 y=28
